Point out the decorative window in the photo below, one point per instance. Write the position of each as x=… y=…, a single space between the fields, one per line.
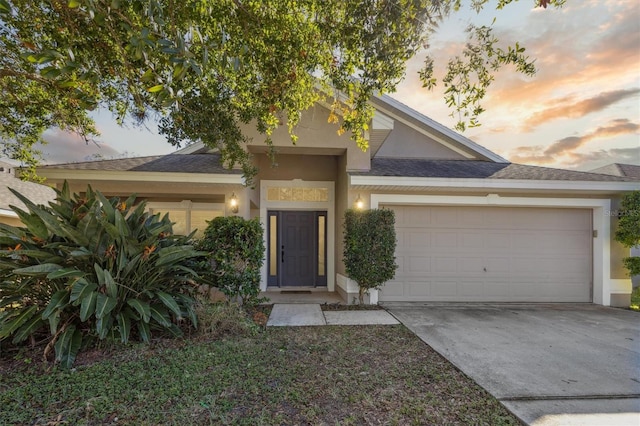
x=275 y=193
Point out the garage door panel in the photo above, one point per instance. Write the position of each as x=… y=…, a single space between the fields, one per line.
x=497 y=265
x=444 y=239
x=470 y=219
x=418 y=288
x=394 y=290
x=442 y=218
x=472 y=240
x=491 y=254
x=412 y=216
x=444 y=288
x=471 y=264
x=417 y=264
x=474 y=289
x=498 y=240
x=445 y=265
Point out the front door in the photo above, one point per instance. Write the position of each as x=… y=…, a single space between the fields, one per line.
x=297 y=248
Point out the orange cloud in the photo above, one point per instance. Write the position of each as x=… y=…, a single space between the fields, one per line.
x=565 y=108
x=571 y=60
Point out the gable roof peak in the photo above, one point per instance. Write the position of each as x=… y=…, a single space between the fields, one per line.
x=428 y=123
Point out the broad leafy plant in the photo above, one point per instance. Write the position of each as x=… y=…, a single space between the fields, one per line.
x=86 y=268
x=236 y=252
x=628 y=232
x=369 y=248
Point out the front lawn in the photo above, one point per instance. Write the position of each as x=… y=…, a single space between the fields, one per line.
x=292 y=375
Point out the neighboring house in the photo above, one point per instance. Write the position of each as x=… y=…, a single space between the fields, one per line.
x=38 y=194
x=470 y=225
x=630 y=171
x=617 y=169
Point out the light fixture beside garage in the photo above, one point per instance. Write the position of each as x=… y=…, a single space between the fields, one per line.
x=233 y=203
x=359 y=203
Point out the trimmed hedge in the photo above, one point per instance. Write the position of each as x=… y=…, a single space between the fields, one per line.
x=628 y=232
x=369 y=248
x=236 y=253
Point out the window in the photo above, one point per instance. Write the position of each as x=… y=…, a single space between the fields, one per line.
x=188 y=216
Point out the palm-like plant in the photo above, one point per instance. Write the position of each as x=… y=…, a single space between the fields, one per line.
x=87 y=267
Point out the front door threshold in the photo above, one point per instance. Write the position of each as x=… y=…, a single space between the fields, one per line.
x=290 y=288
x=302 y=296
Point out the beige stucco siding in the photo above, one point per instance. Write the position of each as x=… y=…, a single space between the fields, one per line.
x=342 y=204
x=304 y=167
x=405 y=142
x=315 y=136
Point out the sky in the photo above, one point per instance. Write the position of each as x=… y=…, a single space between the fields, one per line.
x=580 y=111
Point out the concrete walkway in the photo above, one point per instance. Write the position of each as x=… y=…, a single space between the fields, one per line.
x=308 y=314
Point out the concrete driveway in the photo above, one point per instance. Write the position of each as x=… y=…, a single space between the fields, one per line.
x=550 y=364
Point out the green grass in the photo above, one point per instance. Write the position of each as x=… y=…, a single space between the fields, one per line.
x=302 y=375
x=635 y=300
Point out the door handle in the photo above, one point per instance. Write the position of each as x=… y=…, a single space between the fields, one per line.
x=282 y=254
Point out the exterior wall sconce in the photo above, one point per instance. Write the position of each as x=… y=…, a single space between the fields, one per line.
x=359 y=203
x=233 y=203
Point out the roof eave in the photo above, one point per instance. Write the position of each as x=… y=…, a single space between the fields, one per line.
x=136 y=176
x=479 y=184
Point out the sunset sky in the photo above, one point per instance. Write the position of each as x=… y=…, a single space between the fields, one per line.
x=580 y=111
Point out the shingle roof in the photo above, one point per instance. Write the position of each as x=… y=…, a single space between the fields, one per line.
x=38 y=194
x=617 y=169
x=172 y=163
x=470 y=169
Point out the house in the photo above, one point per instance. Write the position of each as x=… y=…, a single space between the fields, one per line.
x=617 y=169
x=471 y=226
x=38 y=194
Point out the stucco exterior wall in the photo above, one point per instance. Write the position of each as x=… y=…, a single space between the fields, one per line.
x=305 y=167
x=158 y=191
x=405 y=142
x=314 y=133
x=342 y=204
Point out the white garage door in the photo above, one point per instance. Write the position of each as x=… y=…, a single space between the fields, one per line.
x=491 y=254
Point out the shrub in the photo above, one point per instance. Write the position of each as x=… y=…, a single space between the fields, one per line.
x=236 y=252
x=628 y=232
x=89 y=268
x=369 y=248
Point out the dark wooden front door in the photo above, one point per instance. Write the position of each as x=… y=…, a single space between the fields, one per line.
x=297 y=248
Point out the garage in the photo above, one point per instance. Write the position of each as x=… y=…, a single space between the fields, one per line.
x=491 y=254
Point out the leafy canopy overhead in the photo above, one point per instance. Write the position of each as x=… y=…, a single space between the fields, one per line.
x=203 y=67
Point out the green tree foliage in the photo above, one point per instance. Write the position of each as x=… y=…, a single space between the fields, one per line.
x=88 y=268
x=628 y=232
x=369 y=248
x=236 y=253
x=204 y=67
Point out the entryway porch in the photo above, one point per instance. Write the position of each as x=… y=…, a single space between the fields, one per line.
x=302 y=296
